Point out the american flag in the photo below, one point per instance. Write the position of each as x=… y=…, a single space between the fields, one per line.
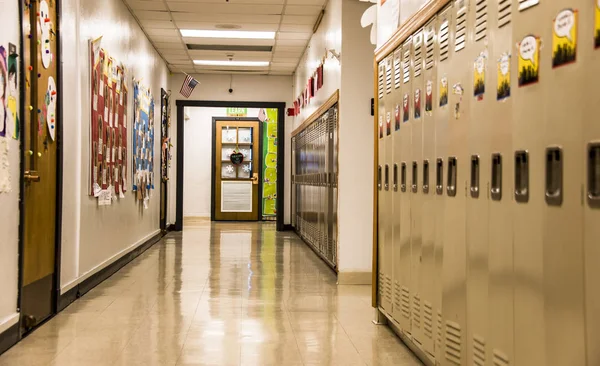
x=189 y=83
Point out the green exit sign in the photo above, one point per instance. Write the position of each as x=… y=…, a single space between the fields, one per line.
x=237 y=112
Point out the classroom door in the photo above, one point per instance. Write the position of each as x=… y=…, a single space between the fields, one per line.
x=236 y=162
x=40 y=163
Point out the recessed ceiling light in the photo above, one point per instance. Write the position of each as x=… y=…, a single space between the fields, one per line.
x=231 y=63
x=227 y=34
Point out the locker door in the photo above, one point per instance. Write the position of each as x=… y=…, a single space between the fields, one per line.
x=480 y=130
x=591 y=154
x=442 y=113
x=499 y=345
x=416 y=121
x=396 y=103
x=427 y=187
x=294 y=186
x=528 y=204
x=405 y=188
x=563 y=211
x=388 y=171
x=334 y=142
x=457 y=168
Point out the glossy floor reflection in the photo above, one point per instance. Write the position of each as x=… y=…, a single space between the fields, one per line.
x=218 y=294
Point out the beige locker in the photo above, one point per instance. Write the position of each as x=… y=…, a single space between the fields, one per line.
x=382 y=207
x=457 y=168
x=563 y=212
x=478 y=173
x=441 y=113
x=499 y=342
x=427 y=274
x=416 y=126
x=591 y=156
x=388 y=189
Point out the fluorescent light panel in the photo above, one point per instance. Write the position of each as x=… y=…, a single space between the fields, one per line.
x=227 y=34
x=231 y=63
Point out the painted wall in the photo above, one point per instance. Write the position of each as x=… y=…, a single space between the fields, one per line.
x=247 y=88
x=392 y=14
x=93 y=236
x=353 y=76
x=9 y=202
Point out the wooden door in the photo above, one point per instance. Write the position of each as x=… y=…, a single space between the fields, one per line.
x=236 y=183
x=40 y=162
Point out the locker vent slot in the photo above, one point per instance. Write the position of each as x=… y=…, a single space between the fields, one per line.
x=444 y=38
x=388 y=288
x=397 y=68
x=381 y=289
x=452 y=177
x=522 y=176
x=481 y=16
x=460 y=40
x=406 y=64
x=425 y=176
x=554 y=176
x=496 y=187
x=504 y=12
x=380 y=81
x=397 y=292
x=439 y=176
x=416 y=311
x=593 y=193
x=439 y=329
x=429 y=48
x=388 y=75
x=475 y=176
x=453 y=343
x=428 y=319
x=478 y=351
x=405 y=309
x=500 y=359
x=418 y=55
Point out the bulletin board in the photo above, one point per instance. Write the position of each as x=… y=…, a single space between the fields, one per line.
x=108 y=166
x=270 y=162
x=143 y=143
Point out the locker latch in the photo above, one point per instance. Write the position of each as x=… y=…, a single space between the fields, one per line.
x=415 y=177
x=496 y=188
x=387 y=178
x=554 y=176
x=426 y=176
x=403 y=177
x=593 y=189
x=522 y=176
x=452 y=176
x=439 y=176
x=474 y=187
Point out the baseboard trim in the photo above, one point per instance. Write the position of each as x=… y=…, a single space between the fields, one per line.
x=97 y=278
x=354 y=278
x=288 y=227
x=9 y=337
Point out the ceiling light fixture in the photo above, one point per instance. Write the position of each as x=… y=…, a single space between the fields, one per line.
x=231 y=63
x=226 y=34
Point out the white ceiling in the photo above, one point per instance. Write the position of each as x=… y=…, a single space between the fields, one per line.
x=292 y=20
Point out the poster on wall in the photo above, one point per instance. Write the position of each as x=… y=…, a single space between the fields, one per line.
x=269 y=119
x=108 y=166
x=165 y=125
x=143 y=143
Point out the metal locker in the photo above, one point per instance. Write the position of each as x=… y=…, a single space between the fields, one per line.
x=333 y=137
x=388 y=171
x=442 y=114
x=564 y=297
x=477 y=174
x=416 y=127
x=499 y=342
x=457 y=167
x=427 y=188
x=396 y=104
x=293 y=189
x=591 y=156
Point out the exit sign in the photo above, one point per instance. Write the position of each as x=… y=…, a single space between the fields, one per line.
x=237 y=112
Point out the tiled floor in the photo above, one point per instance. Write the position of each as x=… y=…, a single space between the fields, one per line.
x=218 y=294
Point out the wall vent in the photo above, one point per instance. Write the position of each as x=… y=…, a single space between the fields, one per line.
x=478 y=351
x=500 y=359
x=429 y=47
x=397 y=291
x=381 y=77
x=416 y=311
x=481 y=16
x=453 y=343
x=388 y=288
x=405 y=302
x=439 y=329
x=397 y=67
x=460 y=35
x=444 y=37
x=406 y=62
x=428 y=319
x=418 y=65
x=504 y=12
x=388 y=75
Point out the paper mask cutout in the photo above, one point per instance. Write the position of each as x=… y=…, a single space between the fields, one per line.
x=51 y=107
x=45 y=30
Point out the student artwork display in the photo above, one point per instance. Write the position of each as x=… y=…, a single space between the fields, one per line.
x=269 y=119
x=8 y=111
x=108 y=175
x=165 y=124
x=143 y=143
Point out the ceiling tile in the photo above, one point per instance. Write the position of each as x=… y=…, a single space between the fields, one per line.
x=146 y=5
x=152 y=15
x=303 y=9
x=223 y=8
x=299 y=19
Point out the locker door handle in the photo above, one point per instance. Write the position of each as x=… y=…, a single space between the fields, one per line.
x=522 y=176
x=395 y=178
x=554 y=176
x=403 y=177
x=387 y=178
x=452 y=177
x=415 y=177
x=496 y=188
x=425 y=176
x=475 y=176
x=593 y=193
x=439 y=177
x=379 y=177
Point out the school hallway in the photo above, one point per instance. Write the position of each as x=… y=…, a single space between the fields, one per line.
x=218 y=294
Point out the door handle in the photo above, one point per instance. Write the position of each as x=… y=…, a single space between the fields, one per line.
x=255 y=178
x=31 y=176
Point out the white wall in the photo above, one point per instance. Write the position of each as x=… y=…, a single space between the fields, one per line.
x=247 y=88
x=197 y=174
x=9 y=202
x=93 y=236
x=393 y=14
x=353 y=76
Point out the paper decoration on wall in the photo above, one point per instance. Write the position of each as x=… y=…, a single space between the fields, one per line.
x=388 y=123
x=50 y=102
x=397 y=118
x=143 y=143
x=3 y=90
x=405 y=108
x=597 y=25
x=529 y=60
x=165 y=118
x=443 y=91
x=479 y=77
x=45 y=29
x=12 y=118
x=108 y=151
x=5 y=186
x=503 y=89
x=417 y=103
x=269 y=160
x=369 y=18
x=564 y=38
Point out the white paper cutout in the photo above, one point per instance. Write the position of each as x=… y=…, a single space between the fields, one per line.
x=5 y=186
x=45 y=29
x=51 y=112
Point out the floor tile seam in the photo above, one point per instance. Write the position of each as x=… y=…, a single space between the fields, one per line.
x=349 y=338
x=295 y=336
x=187 y=333
x=59 y=352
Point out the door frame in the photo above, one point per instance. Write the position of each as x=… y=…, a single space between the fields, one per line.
x=59 y=168
x=213 y=165
x=280 y=106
